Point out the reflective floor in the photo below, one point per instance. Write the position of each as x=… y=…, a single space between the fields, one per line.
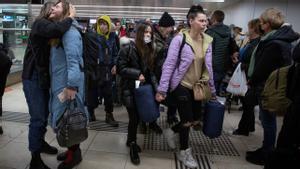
x=105 y=148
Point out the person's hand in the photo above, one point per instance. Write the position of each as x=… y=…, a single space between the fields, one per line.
x=159 y=97
x=114 y=70
x=72 y=11
x=142 y=78
x=70 y=93
x=235 y=57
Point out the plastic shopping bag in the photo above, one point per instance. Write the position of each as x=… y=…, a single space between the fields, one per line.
x=238 y=82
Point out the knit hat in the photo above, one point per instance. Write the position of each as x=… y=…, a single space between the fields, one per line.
x=166 y=20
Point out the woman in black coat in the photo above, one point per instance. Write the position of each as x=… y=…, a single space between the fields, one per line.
x=5 y=64
x=135 y=62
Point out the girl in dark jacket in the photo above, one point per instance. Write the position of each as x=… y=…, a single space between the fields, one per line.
x=36 y=80
x=135 y=62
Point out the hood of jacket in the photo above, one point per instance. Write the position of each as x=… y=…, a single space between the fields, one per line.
x=108 y=21
x=284 y=33
x=221 y=29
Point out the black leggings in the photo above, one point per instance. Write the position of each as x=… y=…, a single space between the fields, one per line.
x=189 y=111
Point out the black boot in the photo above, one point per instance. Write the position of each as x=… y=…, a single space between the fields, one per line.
x=62 y=156
x=155 y=127
x=134 y=153
x=46 y=148
x=73 y=158
x=110 y=120
x=36 y=162
x=1 y=130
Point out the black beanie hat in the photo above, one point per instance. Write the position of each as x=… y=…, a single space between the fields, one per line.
x=166 y=20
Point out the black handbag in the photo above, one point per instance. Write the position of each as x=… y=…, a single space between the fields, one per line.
x=72 y=126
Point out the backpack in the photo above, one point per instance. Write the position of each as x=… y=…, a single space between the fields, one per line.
x=274 y=97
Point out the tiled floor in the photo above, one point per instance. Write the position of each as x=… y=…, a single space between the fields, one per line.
x=107 y=150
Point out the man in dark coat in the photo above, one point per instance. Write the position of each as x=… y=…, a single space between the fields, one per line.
x=223 y=48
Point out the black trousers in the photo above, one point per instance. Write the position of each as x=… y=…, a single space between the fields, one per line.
x=133 y=123
x=289 y=136
x=103 y=90
x=5 y=65
x=247 y=122
x=189 y=111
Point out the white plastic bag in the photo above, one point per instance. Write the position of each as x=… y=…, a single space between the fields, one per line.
x=238 y=82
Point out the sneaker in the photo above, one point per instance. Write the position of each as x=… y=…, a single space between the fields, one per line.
x=257 y=157
x=186 y=157
x=73 y=159
x=134 y=153
x=155 y=127
x=110 y=120
x=46 y=148
x=170 y=135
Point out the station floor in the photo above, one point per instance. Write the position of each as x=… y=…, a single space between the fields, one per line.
x=105 y=148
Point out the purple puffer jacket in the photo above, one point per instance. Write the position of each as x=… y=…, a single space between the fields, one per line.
x=173 y=74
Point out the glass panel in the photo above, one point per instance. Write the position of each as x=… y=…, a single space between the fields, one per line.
x=14 y=32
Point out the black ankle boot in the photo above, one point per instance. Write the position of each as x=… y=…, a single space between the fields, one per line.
x=62 y=156
x=46 y=148
x=134 y=153
x=110 y=120
x=36 y=162
x=73 y=158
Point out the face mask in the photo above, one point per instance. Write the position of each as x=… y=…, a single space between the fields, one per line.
x=147 y=39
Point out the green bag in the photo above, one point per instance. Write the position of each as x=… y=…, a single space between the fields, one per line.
x=274 y=97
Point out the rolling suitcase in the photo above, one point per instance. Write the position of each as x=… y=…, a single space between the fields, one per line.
x=213 y=119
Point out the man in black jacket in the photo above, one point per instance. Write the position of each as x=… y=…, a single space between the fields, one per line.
x=36 y=80
x=160 y=34
x=221 y=48
x=272 y=52
x=5 y=64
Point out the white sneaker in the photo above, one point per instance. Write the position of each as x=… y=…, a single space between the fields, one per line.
x=170 y=135
x=186 y=157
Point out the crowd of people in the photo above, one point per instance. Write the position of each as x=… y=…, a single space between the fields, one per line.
x=172 y=61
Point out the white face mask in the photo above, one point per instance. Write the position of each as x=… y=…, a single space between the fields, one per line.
x=147 y=39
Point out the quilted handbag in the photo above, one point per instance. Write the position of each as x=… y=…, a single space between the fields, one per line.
x=72 y=126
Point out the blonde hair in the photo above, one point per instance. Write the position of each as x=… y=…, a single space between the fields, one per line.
x=274 y=17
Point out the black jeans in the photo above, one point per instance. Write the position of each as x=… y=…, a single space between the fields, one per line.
x=133 y=123
x=247 y=122
x=189 y=111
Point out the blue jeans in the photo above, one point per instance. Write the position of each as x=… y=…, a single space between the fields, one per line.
x=268 y=120
x=37 y=100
